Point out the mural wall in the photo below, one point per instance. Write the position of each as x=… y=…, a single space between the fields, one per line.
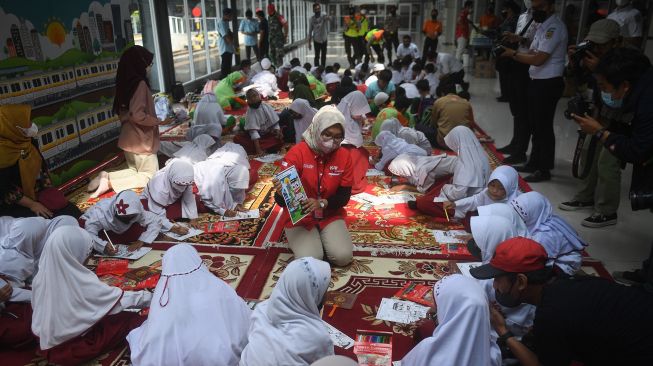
x=61 y=57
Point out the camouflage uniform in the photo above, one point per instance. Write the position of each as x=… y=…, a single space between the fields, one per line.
x=277 y=38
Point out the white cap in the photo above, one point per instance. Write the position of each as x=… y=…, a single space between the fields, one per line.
x=378 y=67
x=265 y=63
x=381 y=98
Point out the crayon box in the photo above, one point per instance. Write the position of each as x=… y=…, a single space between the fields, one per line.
x=373 y=347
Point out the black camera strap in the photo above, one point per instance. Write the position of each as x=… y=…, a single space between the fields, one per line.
x=578 y=155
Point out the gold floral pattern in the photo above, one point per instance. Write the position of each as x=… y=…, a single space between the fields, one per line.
x=420 y=269
x=227 y=269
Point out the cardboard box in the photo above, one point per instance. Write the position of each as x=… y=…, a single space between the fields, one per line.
x=484 y=69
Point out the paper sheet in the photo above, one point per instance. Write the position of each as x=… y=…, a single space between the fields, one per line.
x=374 y=173
x=399 y=311
x=465 y=267
x=191 y=232
x=269 y=158
x=439 y=199
x=123 y=253
x=251 y=214
x=339 y=338
x=449 y=236
x=401 y=197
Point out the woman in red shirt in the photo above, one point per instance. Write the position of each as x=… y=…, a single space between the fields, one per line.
x=326 y=174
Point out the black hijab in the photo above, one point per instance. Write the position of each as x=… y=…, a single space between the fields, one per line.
x=346 y=86
x=131 y=71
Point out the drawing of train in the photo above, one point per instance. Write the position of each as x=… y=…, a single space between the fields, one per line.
x=69 y=138
x=45 y=87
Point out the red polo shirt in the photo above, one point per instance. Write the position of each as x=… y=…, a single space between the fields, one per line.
x=333 y=170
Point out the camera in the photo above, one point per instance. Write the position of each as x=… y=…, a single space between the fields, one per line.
x=578 y=106
x=641 y=200
x=580 y=52
x=498 y=50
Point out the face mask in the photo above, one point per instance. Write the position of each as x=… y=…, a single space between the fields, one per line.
x=540 y=16
x=610 y=102
x=527 y=4
x=327 y=145
x=506 y=299
x=317 y=13
x=32 y=131
x=254 y=105
x=434 y=16
x=124 y=219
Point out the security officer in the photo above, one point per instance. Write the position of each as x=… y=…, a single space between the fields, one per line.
x=350 y=34
x=546 y=58
x=374 y=41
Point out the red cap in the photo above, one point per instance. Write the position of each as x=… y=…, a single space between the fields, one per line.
x=515 y=255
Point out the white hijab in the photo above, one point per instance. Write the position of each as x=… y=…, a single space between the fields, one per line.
x=208 y=111
x=463 y=335
x=353 y=104
x=417 y=168
x=261 y=119
x=490 y=231
x=196 y=150
x=22 y=244
x=287 y=329
x=506 y=211
x=545 y=227
x=231 y=154
x=393 y=145
x=220 y=184
x=325 y=118
x=195 y=318
x=509 y=179
x=214 y=130
x=68 y=298
x=411 y=135
x=301 y=106
x=473 y=168
x=168 y=185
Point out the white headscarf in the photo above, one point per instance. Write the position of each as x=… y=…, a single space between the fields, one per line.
x=353 y=104
x=417 y=168
x=301 y=106
x=473 y=168
x=546 y=228
x=22 y=244
x=265 y=63
x=490 y=231
x=68 y=298
x=506 y=211
x=231 y=154
x=509 y=179
x=168 y=185
x=287 y=329
x=214 y=130
x=411 y=135
x=196 y=150
x=261 y=119
x=325 y=118
x=391 y=144
x=219 y=181
x=463 y=335
x=195 y=318
x=208 y=111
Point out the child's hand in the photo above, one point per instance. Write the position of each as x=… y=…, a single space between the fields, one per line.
x=135 y=246
x=230 y=213
x=5 y=292
x=276 y=184
x=110 y=250
x=179 y=229
x=448 y=205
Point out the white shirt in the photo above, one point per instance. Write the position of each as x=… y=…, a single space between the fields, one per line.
x=630 y=20
x=397 y=77
x=447 y=64
x=551 y=38
x=410 y=50
x=530 y=32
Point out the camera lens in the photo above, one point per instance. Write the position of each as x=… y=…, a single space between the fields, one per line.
x=641 y=200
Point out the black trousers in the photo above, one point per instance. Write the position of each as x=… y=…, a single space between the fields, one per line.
x=391 y=43
x=248 y=52
x=263 y=50
x=517 y=80
x=360 y=50
x=429 y=45
x=379 y=53
x=225 y=65
x=350 y=42
x=543 y=97
x=320 y=53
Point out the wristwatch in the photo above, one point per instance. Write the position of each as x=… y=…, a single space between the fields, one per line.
x=322 y=204
x=502 y=341
x=598 y=134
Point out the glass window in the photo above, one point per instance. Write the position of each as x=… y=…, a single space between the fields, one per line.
x=70 y=129
x=179 y=40
x=211 y=19
x=196 y=26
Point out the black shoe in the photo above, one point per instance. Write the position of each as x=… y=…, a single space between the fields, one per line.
x=412 y=205
x=575 y=205
x=600 y=220
x=502 y=99
x=515 y=159
x=524 y=168
x=629 y=277
x=538 y=176
x=505 y=150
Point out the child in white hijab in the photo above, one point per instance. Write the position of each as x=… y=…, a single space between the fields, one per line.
x=463 y=335
x=195 y=318
x=76 y=316
x=287 y=328
x=411 y=135
x=302 y=114
x=118 y=214
x=222 y=179
x=561 y=241
x=422 y=171
x=197 y=150
x=506 y=211
x=265 y=81
x=393 y=146
x=354 y=107
x=208 y=110
x=172 y=183
x=503 y=186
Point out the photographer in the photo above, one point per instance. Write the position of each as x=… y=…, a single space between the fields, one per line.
x=625 y=78
x=600 y=189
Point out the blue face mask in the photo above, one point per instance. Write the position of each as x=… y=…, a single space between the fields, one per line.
x=608 y=101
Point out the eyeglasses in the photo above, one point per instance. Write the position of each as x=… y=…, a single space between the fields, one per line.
x=334 y=138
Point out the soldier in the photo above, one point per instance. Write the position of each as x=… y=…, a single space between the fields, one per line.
x=278 y=34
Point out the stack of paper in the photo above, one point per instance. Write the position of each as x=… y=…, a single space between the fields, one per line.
x=269 y=158
x=449 y=236
x=251 y=214
x=398 y=311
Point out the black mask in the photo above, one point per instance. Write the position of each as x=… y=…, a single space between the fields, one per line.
x=540 y=16
x=254 y=105
x=506 y=299
x=504 y=13
x=434 y=16
x=317 y=13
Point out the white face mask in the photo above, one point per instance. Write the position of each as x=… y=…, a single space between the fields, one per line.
x=327 y=145
x=291 y=85
x=527 y=4
x=32 y=131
